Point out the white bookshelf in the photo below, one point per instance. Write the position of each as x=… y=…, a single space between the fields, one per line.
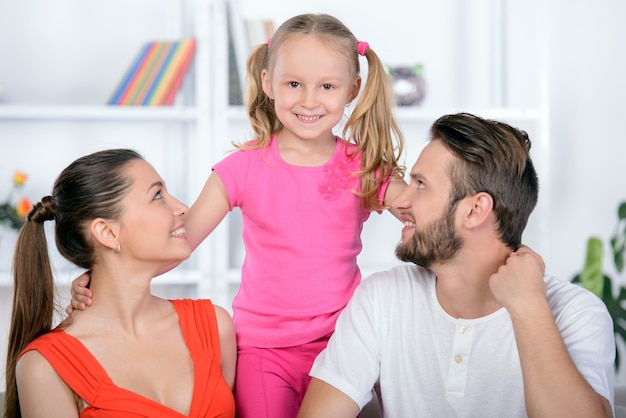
x=176 y=139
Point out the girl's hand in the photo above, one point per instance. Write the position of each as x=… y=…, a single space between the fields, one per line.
x=81 y=295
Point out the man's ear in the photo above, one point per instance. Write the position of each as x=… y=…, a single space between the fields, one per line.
x=105 y=233
x=478 y=209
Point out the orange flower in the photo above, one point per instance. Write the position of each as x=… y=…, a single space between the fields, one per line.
x=19 y=178
x=23 y=207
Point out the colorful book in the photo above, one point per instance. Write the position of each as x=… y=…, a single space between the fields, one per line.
x=130 y=75
x=136 y=80
x=176 y=69
x=144 y=74
x=153 y=71
x=181 y=70
x=161 y=71
x=156 y=74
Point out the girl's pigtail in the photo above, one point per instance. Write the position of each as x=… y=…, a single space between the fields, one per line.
x=259 y=106
x=373 y=127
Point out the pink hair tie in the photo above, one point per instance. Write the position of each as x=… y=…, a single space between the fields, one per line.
x=269 y=42
x=361 y=47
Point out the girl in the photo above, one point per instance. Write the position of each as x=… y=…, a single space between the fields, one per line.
x=131 y=354
x=304 y=195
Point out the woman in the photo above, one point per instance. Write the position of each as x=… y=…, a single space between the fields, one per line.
x=132 y=353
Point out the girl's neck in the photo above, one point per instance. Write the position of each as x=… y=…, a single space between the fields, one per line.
x=305 y=153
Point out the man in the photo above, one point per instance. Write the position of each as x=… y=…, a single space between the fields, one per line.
x=474 y=329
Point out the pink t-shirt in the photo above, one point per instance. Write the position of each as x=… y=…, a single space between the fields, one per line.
x=302 y=234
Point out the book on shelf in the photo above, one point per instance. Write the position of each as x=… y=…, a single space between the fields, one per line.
x=243 y=36
x=156 y=75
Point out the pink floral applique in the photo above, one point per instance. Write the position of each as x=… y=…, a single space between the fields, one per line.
x=338 y=175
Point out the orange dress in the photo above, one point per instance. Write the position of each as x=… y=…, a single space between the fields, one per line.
x=81 y=371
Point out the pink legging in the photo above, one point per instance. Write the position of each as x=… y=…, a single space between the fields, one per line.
x=271 y=382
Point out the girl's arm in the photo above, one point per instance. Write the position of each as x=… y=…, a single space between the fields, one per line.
x=42 y=393
x=228 y=345
x=203 y=217
x=395 y=187
x=207 y=211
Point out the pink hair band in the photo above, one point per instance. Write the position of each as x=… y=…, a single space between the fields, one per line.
x=269 y=42
x=361 y=47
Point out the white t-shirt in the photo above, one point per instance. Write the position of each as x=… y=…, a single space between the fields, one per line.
x=430 y=364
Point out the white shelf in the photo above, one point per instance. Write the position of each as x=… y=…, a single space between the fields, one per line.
x=98 y=113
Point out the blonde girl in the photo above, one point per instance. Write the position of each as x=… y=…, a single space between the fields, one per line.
x=304 y=194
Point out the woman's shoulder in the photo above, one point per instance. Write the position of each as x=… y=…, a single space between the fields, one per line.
x=204 y=306
x=50 y=340
x=34 y=365
x=225 y=325
x=222 y=314
x=193 y=304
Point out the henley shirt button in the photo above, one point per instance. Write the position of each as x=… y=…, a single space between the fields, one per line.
x=464 y=330
x=458 y=359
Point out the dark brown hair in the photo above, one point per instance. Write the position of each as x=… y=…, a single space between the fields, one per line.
x=90 y=187
x=492 y=157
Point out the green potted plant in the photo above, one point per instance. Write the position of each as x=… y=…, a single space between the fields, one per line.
x=593 y=277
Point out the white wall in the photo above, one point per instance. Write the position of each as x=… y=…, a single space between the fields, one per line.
x=587 y=108
x=581 y=46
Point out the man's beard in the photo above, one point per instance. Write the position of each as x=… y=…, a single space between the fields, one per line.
x=436 y=243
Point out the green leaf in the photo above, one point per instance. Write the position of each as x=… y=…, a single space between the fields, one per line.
x=618 y=240
x=622 y=295
x=621 y=211
x=592 y=277
x=607 y=293
x=618 y=258
x=417 y=69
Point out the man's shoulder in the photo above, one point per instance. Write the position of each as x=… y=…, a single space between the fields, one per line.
x=562 y=293
x=556 y=286
x=402 y=277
